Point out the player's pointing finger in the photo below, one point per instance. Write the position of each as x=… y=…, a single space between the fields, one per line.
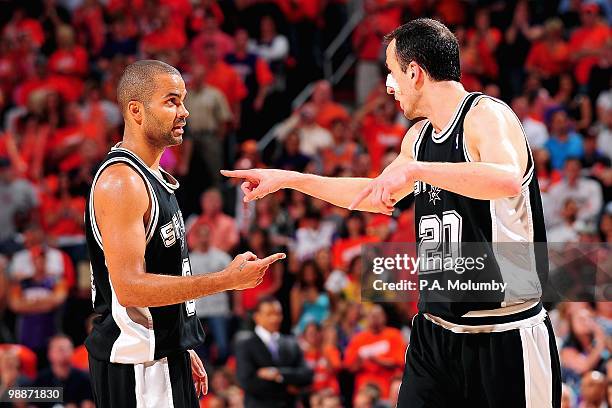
x=272 y=258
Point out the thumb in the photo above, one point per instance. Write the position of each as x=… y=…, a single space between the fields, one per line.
x=360 y=197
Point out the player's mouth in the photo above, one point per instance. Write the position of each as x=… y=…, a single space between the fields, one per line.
x=179 y=129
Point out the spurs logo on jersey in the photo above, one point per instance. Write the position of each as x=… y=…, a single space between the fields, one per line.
x=434 y=192
x=173 y=230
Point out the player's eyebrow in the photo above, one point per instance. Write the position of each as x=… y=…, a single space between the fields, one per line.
x=170 y=94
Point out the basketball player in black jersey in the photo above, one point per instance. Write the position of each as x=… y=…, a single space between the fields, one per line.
x=470 y=168
x=140 y=349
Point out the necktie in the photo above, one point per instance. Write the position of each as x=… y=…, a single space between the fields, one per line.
x=273 y=347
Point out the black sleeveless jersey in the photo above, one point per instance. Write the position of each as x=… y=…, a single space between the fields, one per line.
x=495 y=229
x=133 y=335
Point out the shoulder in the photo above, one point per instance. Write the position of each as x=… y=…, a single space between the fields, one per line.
x=411 y=136
x=486 y=111
x=122 y=191
x=120 y=180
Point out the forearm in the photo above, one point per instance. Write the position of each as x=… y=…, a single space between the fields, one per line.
x=338 y=191
x=153 y=290
x=479 y=180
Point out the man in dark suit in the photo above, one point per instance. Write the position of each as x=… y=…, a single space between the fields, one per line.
x=270 y=366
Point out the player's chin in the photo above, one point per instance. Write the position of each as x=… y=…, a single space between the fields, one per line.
x=175 y=137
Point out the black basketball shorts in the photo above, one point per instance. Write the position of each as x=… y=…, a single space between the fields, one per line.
x=499 y=365
x=161 y=383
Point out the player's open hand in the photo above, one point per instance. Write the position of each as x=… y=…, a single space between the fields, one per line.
x=380 y=191
x=247 y=271
x=200 y=378
x=258 y=183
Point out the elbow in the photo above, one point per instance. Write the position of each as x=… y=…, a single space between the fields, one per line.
x=513 y=186
x=125 y=299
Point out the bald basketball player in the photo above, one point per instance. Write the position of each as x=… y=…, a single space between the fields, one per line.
x=471 y=171
x=141 y=347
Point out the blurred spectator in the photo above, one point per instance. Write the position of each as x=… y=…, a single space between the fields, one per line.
x=583 y=349
x=514 y=48
x=312 y=234
x=587 y=42
x=27 y=359
x=75 y=383
x=291 y=158
x=367 y=43
x=376 y=354
x=69 y=59
x=550 y=56
x=223 y=77
x=593 y=390
x=585 y=192
x=396 y=383
x=536 y=131
x=352 y=237
x=563 y=142
x=593 y=160
x=40 y=277
x=322 y=357
x=255 y=74
x=343 y=152
x=19 y=202
x=603 y=127
x=309 y=301
x=565 y=232
x=120 y=40
x=575 y=103
x=368 y=396
x=223 y=231
x=327 y=111
x=378 y=128
x=165 y=36
x=224 y=44
x=274 y=49
x=486 y=40
x=214 y=310
x=312 y=136
x=270 y=366
x=206 y=129
x=62 y=216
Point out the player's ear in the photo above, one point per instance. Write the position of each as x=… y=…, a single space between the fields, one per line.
x=135 y=110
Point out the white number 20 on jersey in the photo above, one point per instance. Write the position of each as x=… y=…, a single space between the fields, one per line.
x=190 y=304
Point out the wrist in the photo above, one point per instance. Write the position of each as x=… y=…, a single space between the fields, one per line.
x=292 y=179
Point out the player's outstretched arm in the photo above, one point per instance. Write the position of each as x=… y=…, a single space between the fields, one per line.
x=339 y=191
x=499 y=156
x=121 y=202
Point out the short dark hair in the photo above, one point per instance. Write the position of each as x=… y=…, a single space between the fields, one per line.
x=264 y=301
x=430 y=44
x=138 y=81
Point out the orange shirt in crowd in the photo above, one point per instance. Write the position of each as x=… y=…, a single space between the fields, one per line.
x=368 y=35
x=333 y=158
x=379 y=137
x=325 y=364
x=586 y=38
x=63 y=226
x=69 y=62
x=387 y=346
x=165 y=39
x=223 y=77
x=345 y=249
x=486 y=51
x=551 y=61
x=330 y=111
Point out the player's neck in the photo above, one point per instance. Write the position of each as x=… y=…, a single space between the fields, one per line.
x=441 y=102
x=148 y=154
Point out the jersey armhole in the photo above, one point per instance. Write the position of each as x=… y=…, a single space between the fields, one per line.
x=417 y=141
x=154 y=213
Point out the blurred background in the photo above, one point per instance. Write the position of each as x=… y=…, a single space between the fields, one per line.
x=291 y=84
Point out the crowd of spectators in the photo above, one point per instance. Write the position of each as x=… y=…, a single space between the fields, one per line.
x=243 y=62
